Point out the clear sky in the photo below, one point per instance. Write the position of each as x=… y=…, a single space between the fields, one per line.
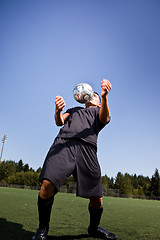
x=47 y=47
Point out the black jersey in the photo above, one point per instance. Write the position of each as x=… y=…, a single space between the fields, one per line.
x=83 y=123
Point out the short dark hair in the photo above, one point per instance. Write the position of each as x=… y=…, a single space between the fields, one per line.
x=98 y=96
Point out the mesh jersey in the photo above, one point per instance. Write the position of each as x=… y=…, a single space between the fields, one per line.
x=83 y=123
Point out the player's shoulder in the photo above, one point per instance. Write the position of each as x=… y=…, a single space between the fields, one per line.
x=93 y=109
x=74 y=109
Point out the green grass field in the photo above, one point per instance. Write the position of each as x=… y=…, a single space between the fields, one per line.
x=130 y=219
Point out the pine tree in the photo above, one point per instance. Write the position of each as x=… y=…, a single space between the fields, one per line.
x=119 y=183
x=20 y=166
x=155 y=184
x=127 y=185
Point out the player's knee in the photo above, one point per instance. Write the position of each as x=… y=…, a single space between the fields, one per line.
x=96 y=202
x=47 y=190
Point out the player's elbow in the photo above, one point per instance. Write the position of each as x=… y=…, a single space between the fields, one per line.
x=59 y=124
x=105 y=120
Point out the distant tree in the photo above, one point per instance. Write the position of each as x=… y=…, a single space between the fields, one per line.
x=7 y=169
x=134 y=181
x=19 y=166
x=140 y=190
x=119 y=182
x=26 y=168
x=31 y=170
x=39 y=170
x=105 y=181
x=111 y=183
x=24 y=178
x=145 y=184
x=31 y=179
x=127 y=185
x=155 y=184
x=18 y=179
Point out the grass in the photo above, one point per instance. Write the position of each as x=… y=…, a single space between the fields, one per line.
x=130 y=219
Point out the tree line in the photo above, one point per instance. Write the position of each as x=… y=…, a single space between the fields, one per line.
x=133 y=185
x=18 y=173
x=124 y=184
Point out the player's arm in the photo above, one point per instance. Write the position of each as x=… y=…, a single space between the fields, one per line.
x=59 y=117
x=104 y=113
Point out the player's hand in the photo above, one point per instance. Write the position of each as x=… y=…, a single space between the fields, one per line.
x=105 y=87
x=60 y=103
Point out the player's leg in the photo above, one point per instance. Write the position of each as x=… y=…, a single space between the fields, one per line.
x=45 y=202
x=59 y=164
x=96 y=210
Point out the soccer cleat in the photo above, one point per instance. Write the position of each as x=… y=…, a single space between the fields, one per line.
x=102 y=234
x=41 y=233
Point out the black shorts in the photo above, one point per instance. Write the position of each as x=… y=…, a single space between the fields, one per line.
x=72 y=156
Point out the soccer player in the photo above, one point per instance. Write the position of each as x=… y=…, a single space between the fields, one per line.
x=74 y=151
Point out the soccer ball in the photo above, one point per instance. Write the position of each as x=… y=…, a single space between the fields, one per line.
x=83 y=93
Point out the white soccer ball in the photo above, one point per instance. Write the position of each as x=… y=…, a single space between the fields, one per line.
x=83 y=93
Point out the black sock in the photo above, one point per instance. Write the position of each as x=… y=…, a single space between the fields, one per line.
x=44 y=209
x=95 y=217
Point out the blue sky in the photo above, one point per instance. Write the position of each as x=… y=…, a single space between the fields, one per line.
x=47 y=47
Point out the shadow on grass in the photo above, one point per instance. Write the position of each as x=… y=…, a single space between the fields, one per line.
x=14 y=231
x=68 y=237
